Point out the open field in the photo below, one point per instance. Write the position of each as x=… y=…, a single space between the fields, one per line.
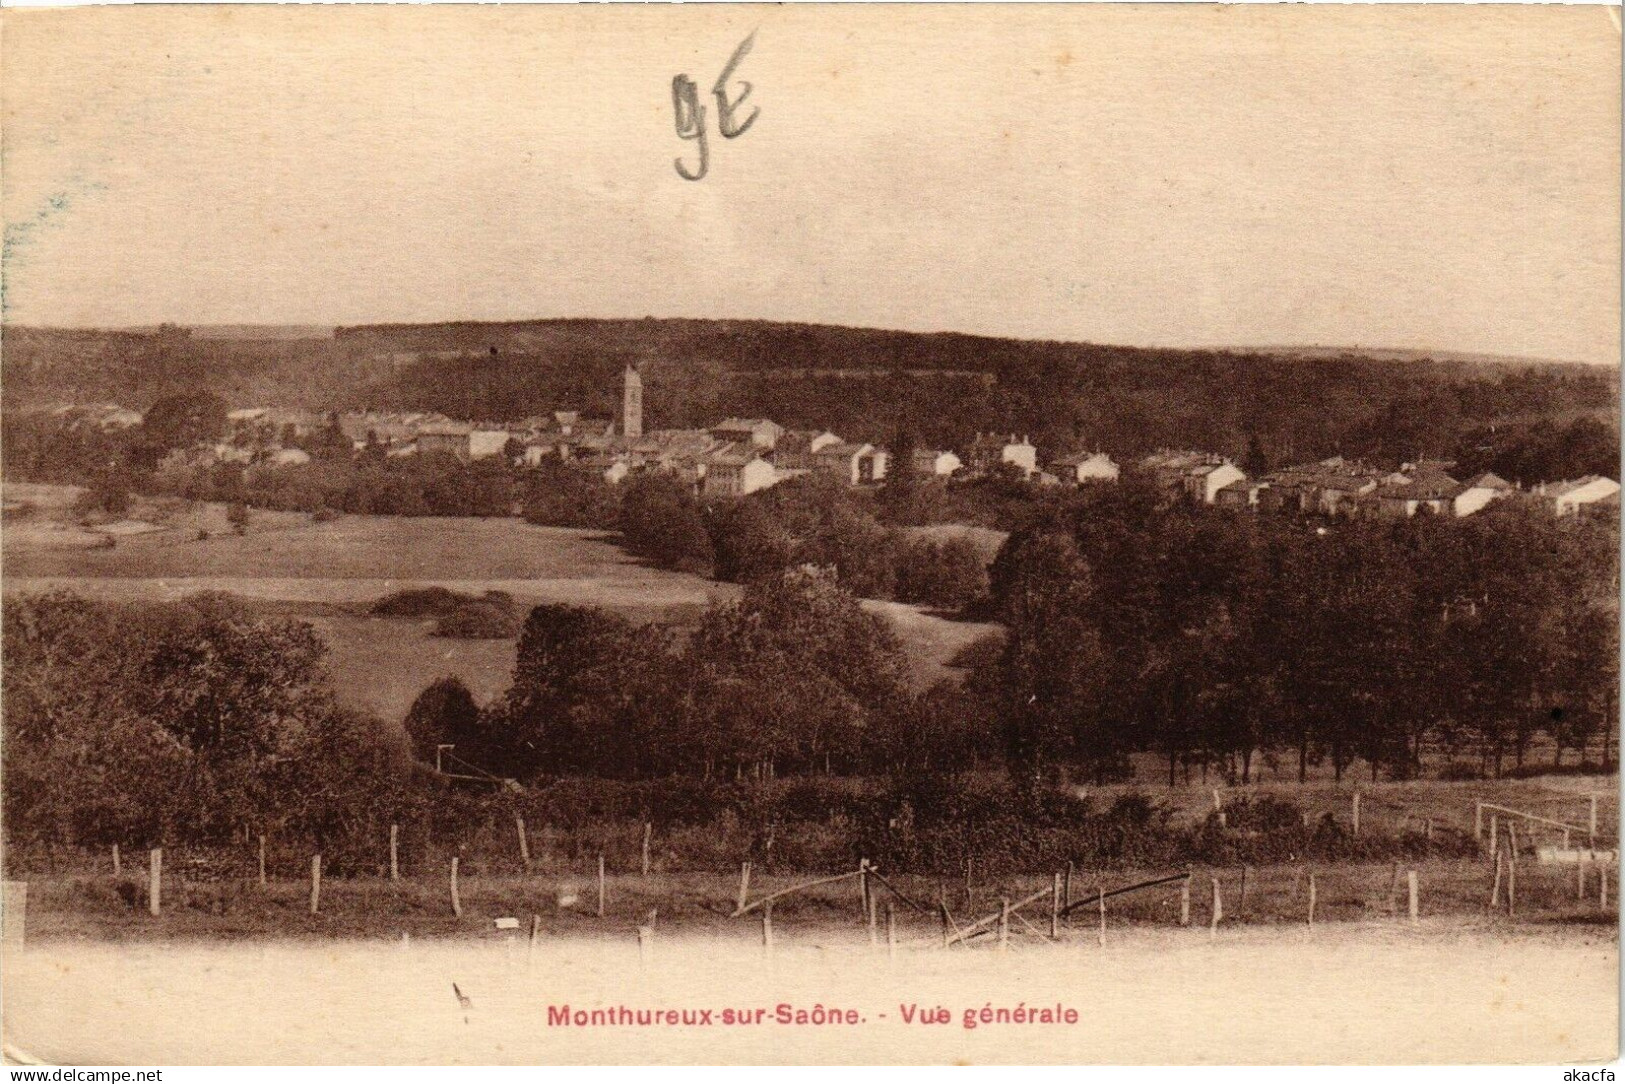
x=1441 y=992
x=407 y=548
x=381 y=664
x=331 y=573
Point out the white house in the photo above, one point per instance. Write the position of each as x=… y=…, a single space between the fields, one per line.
x=939 y=463
x=989 y=450
x=1198 y=475
x=735 y=470
x=1081 y=467
x=854 y=464
x=1480 y=491
x=485 y=443
x=1204 y=482
x=1568 y=498
x=759 y=431
x=795 y=449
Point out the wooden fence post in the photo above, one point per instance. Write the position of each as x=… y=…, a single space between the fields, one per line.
x=1055 y=909
x=864 y=895
x=315 y=884
x=1512 y=886
x=262 y=860
x=1245 y=872
x=155 y=880
x=874 y=920
x=1594 y=821
x=767 y=928
x=524 y=842
x=1185 y=902
x=1580 y=879
x=116 y=868
x=1393 y=889
x=1100 y=898
x=648 y=831
x=1478 y=821
x=1602 y=887
x=1411 y=888
x=456 y=901
x=744 y=885
x=1217 y=911
x=1495 y=887
x=1356 y=812
x=394 y=852
x=1312 y=901
x=1495 y=831
x=600 y=886
x=535 y=934
x=1004 y=924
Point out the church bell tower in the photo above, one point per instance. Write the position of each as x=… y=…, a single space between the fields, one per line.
x=632 y=403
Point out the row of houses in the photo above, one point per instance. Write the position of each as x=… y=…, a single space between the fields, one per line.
x=1330 y=487
x=1345 y=487
x=734 y=457
x=737 y=456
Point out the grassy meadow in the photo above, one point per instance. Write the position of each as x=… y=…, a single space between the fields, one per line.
x=331 y=573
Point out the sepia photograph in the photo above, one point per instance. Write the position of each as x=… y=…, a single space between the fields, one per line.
x=810 y=534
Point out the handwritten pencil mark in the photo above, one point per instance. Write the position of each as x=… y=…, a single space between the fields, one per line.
x=690 y=118
x=689 y=114
x=725 y=108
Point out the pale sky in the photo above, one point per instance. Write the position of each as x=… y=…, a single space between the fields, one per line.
x=1438 y=178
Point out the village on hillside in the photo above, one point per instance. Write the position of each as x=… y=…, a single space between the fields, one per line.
x=739 y=456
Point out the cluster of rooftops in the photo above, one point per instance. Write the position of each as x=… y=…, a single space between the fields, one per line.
x=1346 y=487
x=742 y=455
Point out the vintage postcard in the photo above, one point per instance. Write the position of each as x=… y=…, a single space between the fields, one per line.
x=810 y=534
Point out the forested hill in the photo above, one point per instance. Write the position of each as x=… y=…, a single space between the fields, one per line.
x=1267 y=407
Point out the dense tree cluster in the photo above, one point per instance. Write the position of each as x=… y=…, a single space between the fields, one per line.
x=1132 y=626
x=428 y=485
x=192 y=721
x=557 y=495
x=795 y=676
x=661 y=521
x=1216 y=636
x=808 y=521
